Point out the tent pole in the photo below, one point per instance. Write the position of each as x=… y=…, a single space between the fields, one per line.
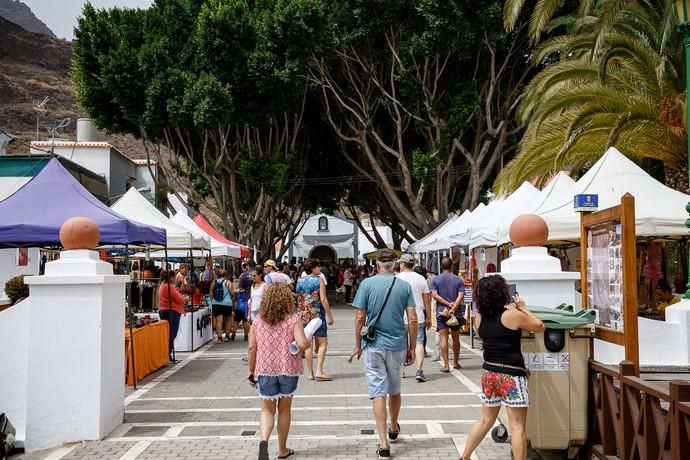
x=171 y=341
x=131 y=318
x=191 y=301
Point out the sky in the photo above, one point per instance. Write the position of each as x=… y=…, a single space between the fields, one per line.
x=61 y=15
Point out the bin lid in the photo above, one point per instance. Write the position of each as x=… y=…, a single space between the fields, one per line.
x=561 y=318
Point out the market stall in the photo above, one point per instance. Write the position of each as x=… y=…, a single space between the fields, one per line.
x=150 y=347
x=196 y=328
x=206 y=226
x=218 y=248
x=134 y=206
x=34 y=214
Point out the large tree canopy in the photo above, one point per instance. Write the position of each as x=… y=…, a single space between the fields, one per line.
x=247 y=104
x=214 y=89
x=422 y=98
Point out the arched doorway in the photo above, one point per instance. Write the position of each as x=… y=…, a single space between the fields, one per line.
x=323 y=253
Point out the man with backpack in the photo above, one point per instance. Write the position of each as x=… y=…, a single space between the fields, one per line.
x=221 y=305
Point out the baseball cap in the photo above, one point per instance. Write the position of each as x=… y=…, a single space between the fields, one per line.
x=386 y=255
x=270 y=263
x=406 y=258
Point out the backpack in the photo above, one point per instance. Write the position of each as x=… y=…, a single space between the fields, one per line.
x=219 y=290
x=309 y=305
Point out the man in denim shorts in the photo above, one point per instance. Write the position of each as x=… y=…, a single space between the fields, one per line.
x=392 y=347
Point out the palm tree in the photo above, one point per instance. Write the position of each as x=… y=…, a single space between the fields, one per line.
x=622 y=88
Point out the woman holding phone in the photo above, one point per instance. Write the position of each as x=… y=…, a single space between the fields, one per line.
x=499 y=323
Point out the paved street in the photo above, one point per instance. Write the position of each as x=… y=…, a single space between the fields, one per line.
x=203 y=408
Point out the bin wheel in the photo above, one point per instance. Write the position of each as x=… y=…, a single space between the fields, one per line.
x=499 y=434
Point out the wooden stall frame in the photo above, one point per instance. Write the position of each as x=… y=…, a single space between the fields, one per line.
x=625 y=215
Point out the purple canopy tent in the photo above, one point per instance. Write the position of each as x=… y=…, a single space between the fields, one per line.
x=32 y=216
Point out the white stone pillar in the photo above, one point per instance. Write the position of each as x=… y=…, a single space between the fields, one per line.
x=76 y=356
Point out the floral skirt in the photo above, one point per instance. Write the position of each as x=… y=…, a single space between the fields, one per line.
x=503 y=389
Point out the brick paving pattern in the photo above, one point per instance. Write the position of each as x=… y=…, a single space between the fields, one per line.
x=206 y=410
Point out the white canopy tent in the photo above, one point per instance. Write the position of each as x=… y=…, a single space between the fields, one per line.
x=420 y=244
x=453 y=235
x=429 y=242
x=462 y=233
x=553 y=194
x=659 y=210
x=134 y=206
x=485 y=231
x=218 y=249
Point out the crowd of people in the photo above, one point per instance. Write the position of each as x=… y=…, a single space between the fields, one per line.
x=396 y=304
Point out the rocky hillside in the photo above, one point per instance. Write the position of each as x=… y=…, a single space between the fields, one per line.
x=17 y=12
x=33 y=66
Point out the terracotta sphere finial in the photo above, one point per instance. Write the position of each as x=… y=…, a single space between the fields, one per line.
x=529 y=230
x=79 y=233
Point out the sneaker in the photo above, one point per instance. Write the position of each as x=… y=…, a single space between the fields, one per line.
x=420 y=377
x=232 y=336
x=393 y=435
x=383 y=452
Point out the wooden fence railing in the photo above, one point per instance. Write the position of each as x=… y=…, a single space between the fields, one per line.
x=635 y=419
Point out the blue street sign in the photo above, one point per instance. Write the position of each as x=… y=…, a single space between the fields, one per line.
x=586 y=202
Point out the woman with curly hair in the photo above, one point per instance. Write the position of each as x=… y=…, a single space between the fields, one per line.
x=504 y=375
x=275 y=369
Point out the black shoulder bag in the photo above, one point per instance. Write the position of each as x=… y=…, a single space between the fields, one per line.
x=369 y=331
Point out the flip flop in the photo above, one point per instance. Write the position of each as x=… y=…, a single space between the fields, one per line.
x=311 y=377
x=263 y=450
x=289 y=454
x=445 y=370
x=323 y=378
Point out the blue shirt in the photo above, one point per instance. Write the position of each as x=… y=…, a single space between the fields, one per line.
x=448 y=286
x=391 y=331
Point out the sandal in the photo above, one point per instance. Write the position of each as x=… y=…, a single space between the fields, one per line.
x=457 y=366
x=445 y=370
x=289 y=454
x=263 y=450
x=323 y=378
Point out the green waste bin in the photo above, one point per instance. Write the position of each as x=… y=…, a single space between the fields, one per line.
x=558 y=362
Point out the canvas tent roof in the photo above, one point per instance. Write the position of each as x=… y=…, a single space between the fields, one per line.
x=484 y=231
x=206 y=226
x=553 y=193
x=659 y=210
x=218 y=248
x=440 y=240
x=33 y=215
x=421 y=244
x=134 y=206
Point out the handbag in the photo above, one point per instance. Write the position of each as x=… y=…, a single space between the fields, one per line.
x=452 y=321
x=368 y=332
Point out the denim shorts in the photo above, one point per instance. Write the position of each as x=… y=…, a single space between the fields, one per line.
x=383 y=370
x=274 y=387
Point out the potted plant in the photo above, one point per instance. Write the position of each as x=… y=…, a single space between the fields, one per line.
x=15 y=289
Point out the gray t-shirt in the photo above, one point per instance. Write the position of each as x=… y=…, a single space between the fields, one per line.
x=391 y=332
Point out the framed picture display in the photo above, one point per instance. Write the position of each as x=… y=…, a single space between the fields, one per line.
x=609 y=280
